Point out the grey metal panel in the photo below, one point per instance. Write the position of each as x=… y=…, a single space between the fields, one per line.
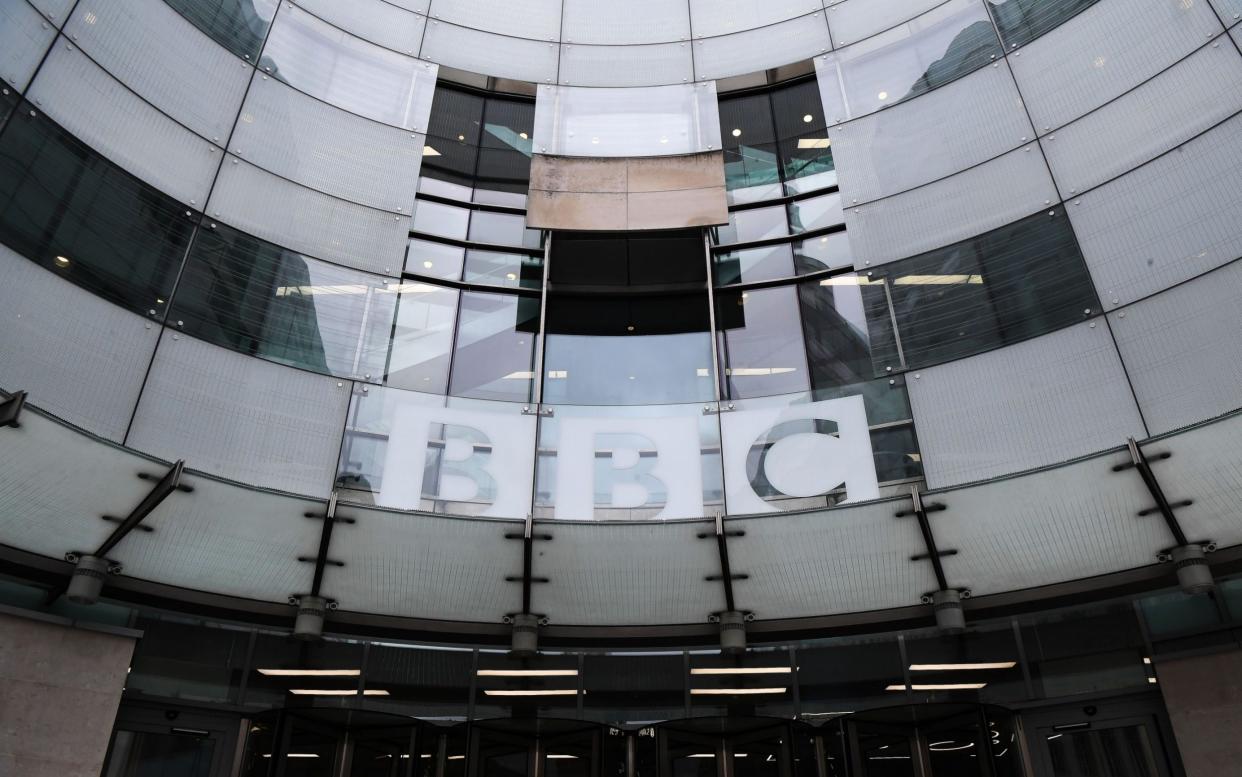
x=1205 y=468
x=636 y=21
x=1171 y=219
x=55 y=483
x=227 y=539
x=1182 y=349
x=969 y=203
x=99 y=110
x=853 y=20
x=1050 y=526
x=535 y=19
x=426 y=566
x=588 y=564
x=56 y=10
x=240 y=417
x=846 y=559
x=374 y=20
x=1188 y=98
x=1040 y=402
x=710 y=18
x=486 y=52
x=1229 y=10
x=1103 y=51
x=972 y=119
x=661 y=63
x=746 y=52
x=154 y=51
x=24 y=38
x=80 y=357
x=326 y=148
x=309 y=221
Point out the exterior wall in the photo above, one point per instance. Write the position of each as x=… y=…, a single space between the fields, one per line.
x=1204 y=699
x=59 y=692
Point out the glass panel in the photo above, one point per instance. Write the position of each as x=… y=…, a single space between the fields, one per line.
x=633 y=689
x=71 y=211
x=434 y=260
x=774 y=676
x=433 y=684
x=266 y=689
x=954 y=743
x=752 y=224
x=639 y=121
x=422 y=337
x=996 y=289
x=258 y=298
x=627 y=350
x=749 y=142
x=625 y=463
x=753 y=264
x=497 y=269
x=840 y=676
x=503 y=177
x=802 y=133
x=237 y=25
x=475 y=457
x=1085 y=650
x=826 y=252
x=929 y=51
x=760 y=341
x=985 y=655
x=494 y=356
x=839 y=340
x=502 y=229
x=896 y=452
x=348 y=72
x=180 y=660
x=433 y=218
x=154 y=755
x=1124 y=751
x=1022 y=21
x=815 y=213
x=492 y=701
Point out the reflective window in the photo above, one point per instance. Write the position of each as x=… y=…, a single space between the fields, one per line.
x=1011 y=284
x=776 y=136
x=839 y=341
x=435 y=218
x=479 y=145
x=1022 y=21
x=814 y=213
x=237 y=25
x=502 y=229
x=752 y=224
x=761 y=345
x=826 y=252
x=434 y=260
x=422 y=337
x=498 y=269
x=68 y=209
x=503 y=172
x=494 y=356
x=753 y=264
x=264 y=300
x=634 y=689
x=268 y=689
x=180 y=660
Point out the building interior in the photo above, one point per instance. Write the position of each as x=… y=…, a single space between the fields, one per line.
x=649 y=388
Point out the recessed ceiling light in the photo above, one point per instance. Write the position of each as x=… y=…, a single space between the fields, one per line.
x=741 y=670
x=62 y=261
x=808 y=118
x=663 y=140
x=528 y=673
x=938 y=687
x=511 y=276
x=427 y=264
x=522 y=135
x=964 y=667
x=737 y=133
x=734 y=691
x=335 y=692
x=461 y=137
x=545 y=692
x=595 y=140
x=310 y=672
x=294 y=755
x=883 y=95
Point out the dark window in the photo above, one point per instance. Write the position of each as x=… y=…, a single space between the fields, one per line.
x=1022 y=21
x=235 y=24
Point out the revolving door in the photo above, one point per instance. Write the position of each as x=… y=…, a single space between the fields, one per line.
x=534 y=747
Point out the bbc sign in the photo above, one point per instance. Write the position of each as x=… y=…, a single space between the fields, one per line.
x=636 y=461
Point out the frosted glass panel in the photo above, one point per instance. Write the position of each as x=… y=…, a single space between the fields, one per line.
x=24 y=37
x=485 y=52
x=297 y=137
x=720 y=17
x=638 y=121
x=971 y=120
x=1205 y=467
x=375 y=20
x=853 y=20
x=308 y=221
x=165 y=59
x=100 y=111
x=746 y=52
x=535 y=19
x=666 y=63
x=929 y=51
x=350 y=73
x=636 y=21
x=1060 y=83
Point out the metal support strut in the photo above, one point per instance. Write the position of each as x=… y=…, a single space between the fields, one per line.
x=1188 y=557
x=946 y=601
x=732 y=620
x=313 y=607
x=525 y=641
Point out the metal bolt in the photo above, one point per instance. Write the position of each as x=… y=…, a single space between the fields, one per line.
x=1122 y=314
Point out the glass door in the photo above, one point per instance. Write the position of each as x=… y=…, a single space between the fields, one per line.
x=1106 y=740
x=158 y=743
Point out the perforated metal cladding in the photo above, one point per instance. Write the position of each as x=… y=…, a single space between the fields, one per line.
x=853 y=20
x=309 y=221
x=1045 y=527
x=535 y=19
x=722 y=17
x=226 y=539
x=637 y=21
x=24 y=38
x=102 y=112
x=154 y=51
x=1190 y=97
x=1060 y=82
x=1040 y=402
x=660 y=567
x=53 y=335
x=1182 y=350
x=764 y=47
x=498 y=55
x=55 y=10
x=1206 y=468
x=301 y=138
x=1229 y=10
x=846 y=559
x=1171 y=219
x=38 y=513
x=969 y=203
x=636 y=65
x=426 y=566
x=241 y=418
x=375 y=20
x=968 y=121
